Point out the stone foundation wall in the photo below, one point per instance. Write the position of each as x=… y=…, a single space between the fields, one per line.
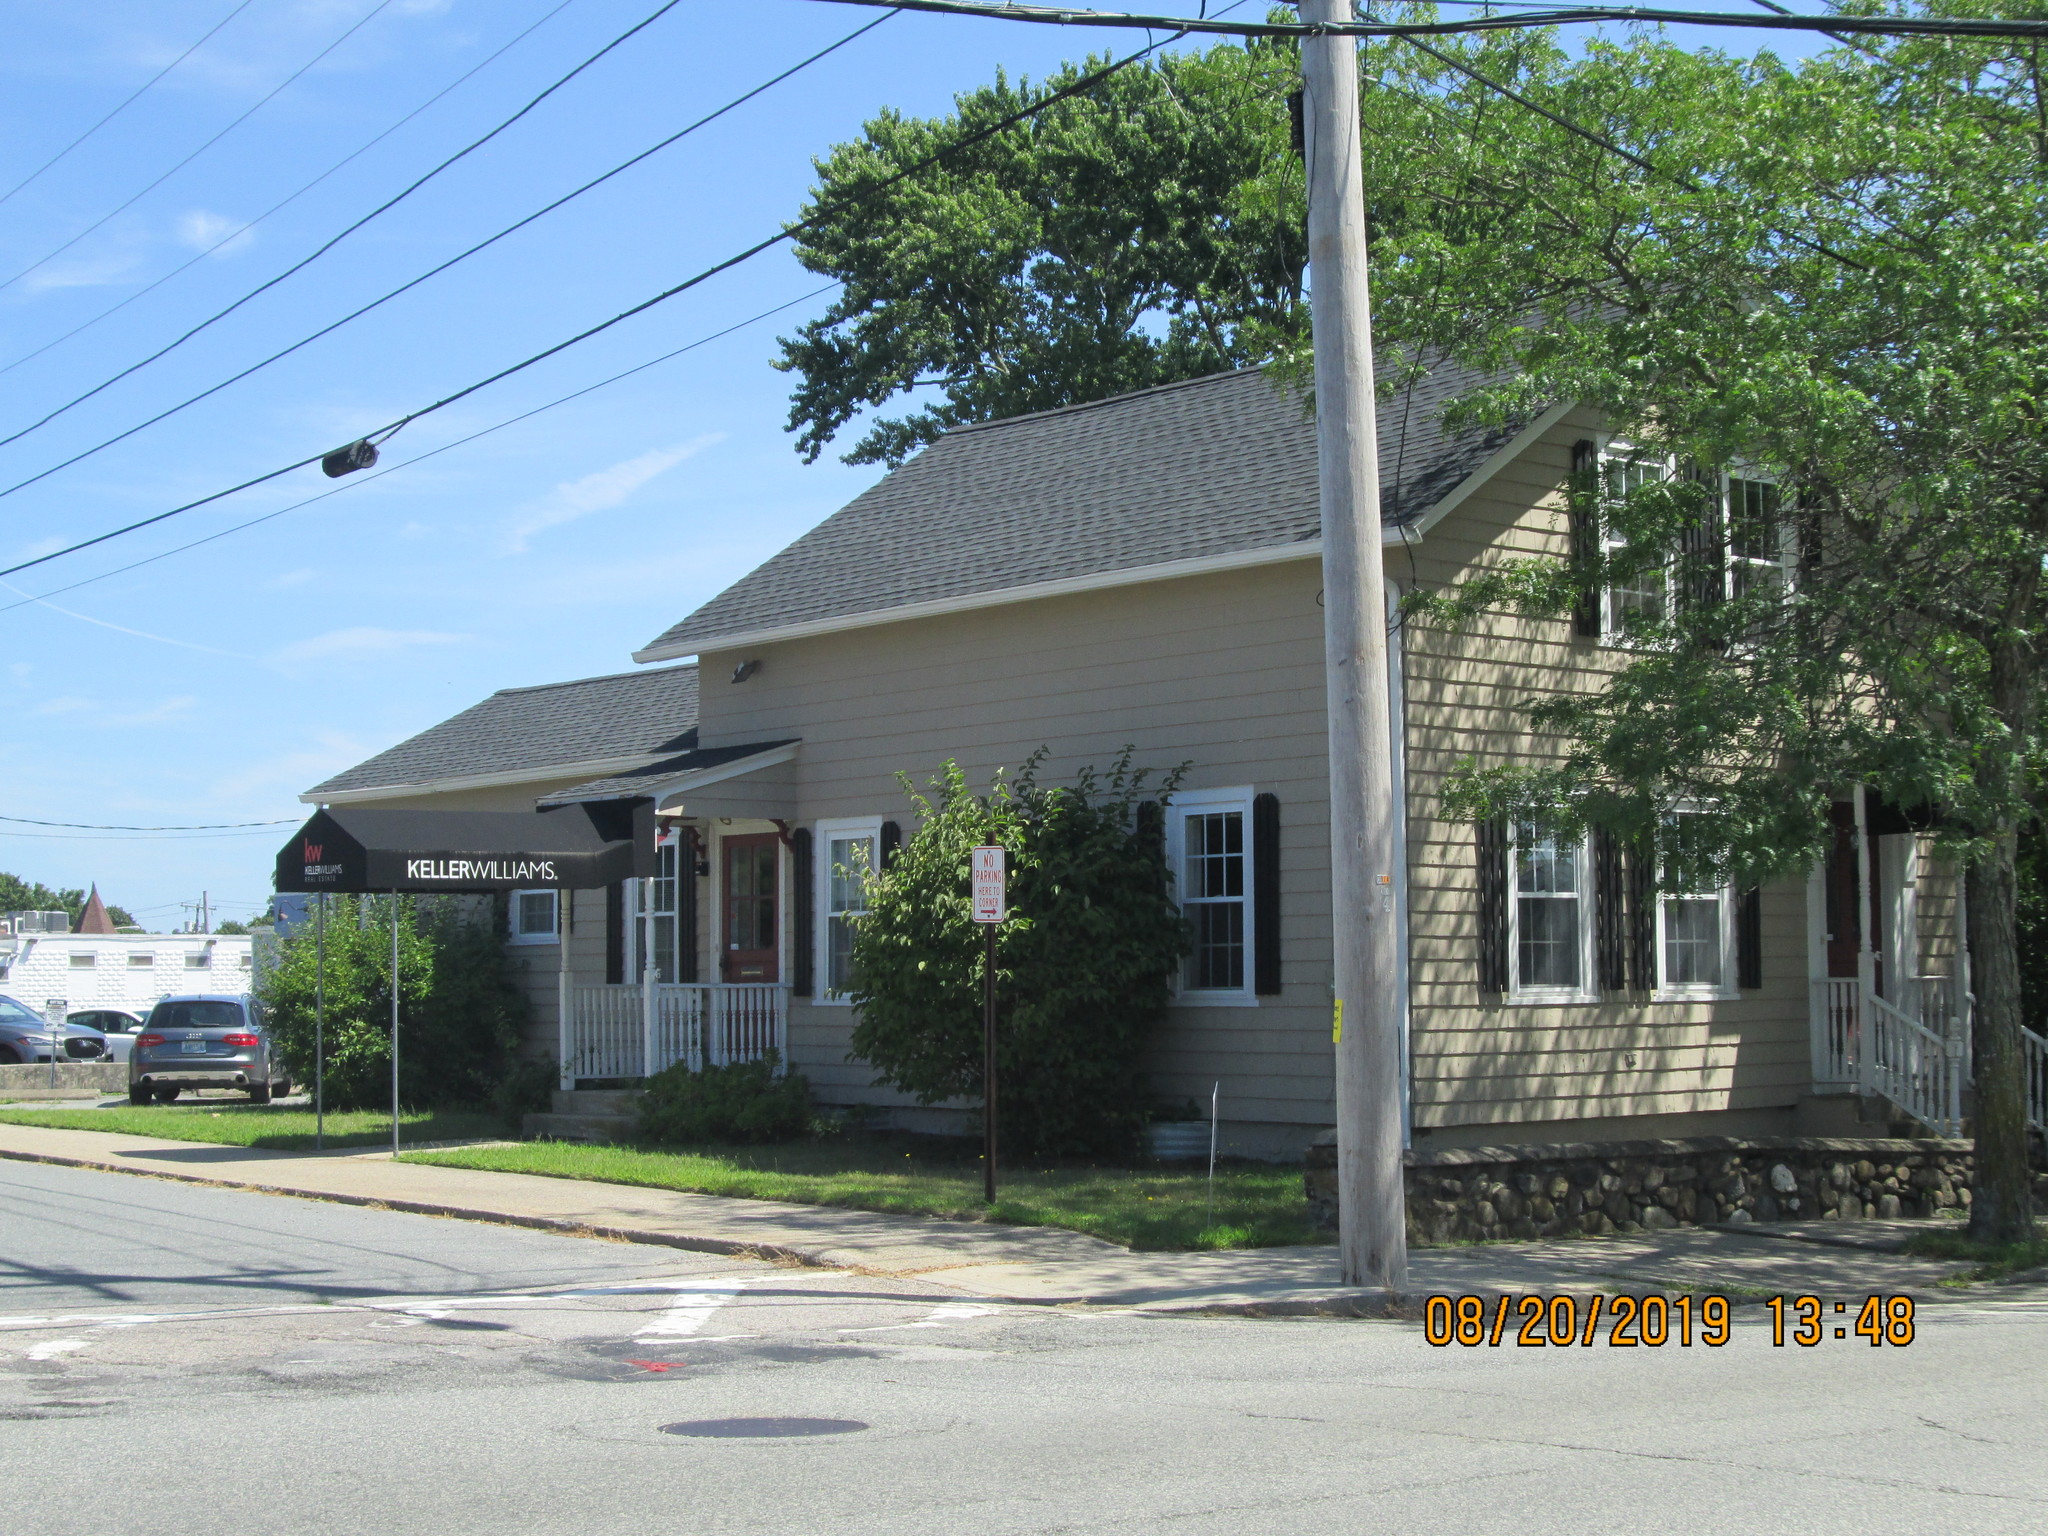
x=1592 y=1188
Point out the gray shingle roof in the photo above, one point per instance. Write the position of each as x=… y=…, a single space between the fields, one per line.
x=1212 y=466
x=644 y=781
x=628 y=714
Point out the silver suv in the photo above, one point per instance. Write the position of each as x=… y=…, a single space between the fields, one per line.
x=204 y=1040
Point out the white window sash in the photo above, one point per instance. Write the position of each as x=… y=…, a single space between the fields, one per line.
x=1582 y=898
x=1202 y=802
x=519 y=933
x=824 y=834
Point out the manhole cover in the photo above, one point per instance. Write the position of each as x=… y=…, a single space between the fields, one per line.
x=761 y=1429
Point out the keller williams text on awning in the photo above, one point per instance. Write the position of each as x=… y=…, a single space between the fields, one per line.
x=346 y=848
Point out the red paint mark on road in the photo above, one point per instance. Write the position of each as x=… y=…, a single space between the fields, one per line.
x=659 y=1365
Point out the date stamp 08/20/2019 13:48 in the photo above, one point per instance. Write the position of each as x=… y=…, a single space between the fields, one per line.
x=1626 y=1322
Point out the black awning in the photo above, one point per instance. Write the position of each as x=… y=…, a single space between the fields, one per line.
x=348 y=849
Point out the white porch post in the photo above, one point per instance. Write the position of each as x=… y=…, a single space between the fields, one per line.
x=643 y=892
x=1817 y=973
x=1866 y=952
x=565 y=920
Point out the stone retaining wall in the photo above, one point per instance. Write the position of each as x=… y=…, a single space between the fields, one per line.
x=1593 y=1188
x=73 y=1077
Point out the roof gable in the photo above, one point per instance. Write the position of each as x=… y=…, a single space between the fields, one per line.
x=1210 y=467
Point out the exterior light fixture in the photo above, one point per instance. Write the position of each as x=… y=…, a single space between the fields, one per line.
x=360 y=454
x=745 y=670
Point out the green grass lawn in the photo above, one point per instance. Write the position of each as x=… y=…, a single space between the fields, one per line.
x=279 y=1128
x=1993 y=1260
x=1143 y=1208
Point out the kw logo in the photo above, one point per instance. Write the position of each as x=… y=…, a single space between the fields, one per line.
x=313 y=852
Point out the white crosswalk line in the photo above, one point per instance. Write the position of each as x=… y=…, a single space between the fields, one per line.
x=691 y=1309
x=938 y=1317
x=50 y=1349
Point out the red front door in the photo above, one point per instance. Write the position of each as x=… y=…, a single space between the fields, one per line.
x=748 y=953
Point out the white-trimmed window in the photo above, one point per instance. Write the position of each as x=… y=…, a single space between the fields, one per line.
x=1550 y=917
x=848 y=853
x=1209 y=850
x=199 y=959
x=141 y=960
x=532 y=916
x=1755 y=542
x=1696 y=942
x=83 y=959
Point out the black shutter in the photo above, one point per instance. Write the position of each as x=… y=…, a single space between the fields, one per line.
x=803 y=913
x=1491 y=838
x=615 y=933
x=892 y=844
x=1583 y=504
x=1749 y=939
x=1150 y=830
x=1641 y=864
x=687 y=859
x=1702 y=546
x=1266 y=895
x=1610 y=906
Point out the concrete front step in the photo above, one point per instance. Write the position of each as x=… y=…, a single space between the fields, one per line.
x=597 y=1101
x=593 y=1128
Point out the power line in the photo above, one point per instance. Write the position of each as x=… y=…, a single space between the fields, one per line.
x=202 y=149
x=241 y=230
x=459 y=442
x=1875 y=26
x=134 y=97
x=404 y=287
x=306 y=261
x=98 y=826
x=789 y=232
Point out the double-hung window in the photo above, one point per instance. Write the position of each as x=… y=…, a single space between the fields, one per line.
x=533 y=917
x=1644 y=592
x=1549 y=916
x=1696 y=941
x=1209 y=849
x=851 y=854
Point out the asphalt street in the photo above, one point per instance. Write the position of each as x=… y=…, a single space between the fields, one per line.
x=179 y=1359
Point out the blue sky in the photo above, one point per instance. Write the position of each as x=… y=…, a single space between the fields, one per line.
x=215 y=684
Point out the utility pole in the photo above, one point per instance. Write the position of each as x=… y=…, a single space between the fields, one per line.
x=1371 y=1231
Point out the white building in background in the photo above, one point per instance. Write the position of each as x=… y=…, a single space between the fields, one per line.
x=122 y=970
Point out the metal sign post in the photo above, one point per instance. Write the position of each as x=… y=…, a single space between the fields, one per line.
x=320 y=1026
x=991 y=907
x=55 y=1010
x=394 y=1023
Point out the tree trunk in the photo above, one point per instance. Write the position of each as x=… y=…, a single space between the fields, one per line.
x=2002 y=1207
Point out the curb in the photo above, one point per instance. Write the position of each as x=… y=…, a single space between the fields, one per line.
x=728 y=1247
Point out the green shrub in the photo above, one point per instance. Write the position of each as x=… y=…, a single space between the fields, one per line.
x=460 y=1006
x=1084 y=966
x=527 y=1088
x=743 y=1102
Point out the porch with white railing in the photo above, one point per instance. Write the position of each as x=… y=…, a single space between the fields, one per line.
x=632 y=1030
x=1919 y=1060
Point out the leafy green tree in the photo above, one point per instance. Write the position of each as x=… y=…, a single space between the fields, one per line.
x=1146 y=231
x=460 y=1005
x=1831 y=271
x=1084 y=966
x=19 y=895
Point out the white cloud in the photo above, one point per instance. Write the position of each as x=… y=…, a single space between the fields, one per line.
x=69 y=704
x=363 y=640
x=21 y=669
x=296 y=578
x=600 y=492
x=202 y=231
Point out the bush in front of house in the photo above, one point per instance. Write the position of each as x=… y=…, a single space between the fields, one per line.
x=743 y=1102
x=460 y=1006
x=1084 y=965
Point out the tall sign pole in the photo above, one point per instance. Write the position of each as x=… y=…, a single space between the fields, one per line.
x=991 y=908
x=1366 y=1031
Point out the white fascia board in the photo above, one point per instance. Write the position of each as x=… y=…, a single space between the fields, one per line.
x=1094 y=581
x=1396 y=535
x=1505 y=455
x=682 y=783
x=594 y=768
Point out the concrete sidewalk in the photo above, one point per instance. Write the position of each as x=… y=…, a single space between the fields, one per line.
x=1044 y=1265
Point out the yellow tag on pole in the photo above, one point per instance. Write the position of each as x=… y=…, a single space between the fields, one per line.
x=1337 y=1024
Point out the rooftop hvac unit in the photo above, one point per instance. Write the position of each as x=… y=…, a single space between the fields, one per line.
x=42 y=922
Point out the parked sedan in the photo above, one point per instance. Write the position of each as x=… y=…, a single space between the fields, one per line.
x=204 y=1040
x=117 y=1024
x=26 y=1037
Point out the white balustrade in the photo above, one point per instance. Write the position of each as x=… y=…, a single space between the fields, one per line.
x=609 y=1035
x=1864 y=1042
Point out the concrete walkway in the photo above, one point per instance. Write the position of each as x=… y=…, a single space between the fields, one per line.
x=1045 y=1265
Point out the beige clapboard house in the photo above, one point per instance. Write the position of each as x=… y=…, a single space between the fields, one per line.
x=1144 y=572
